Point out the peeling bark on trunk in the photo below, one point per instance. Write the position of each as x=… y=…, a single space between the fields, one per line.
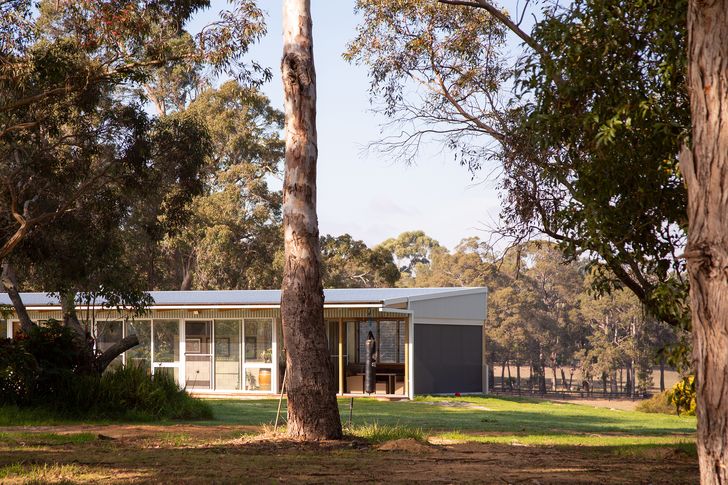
x=705 y=168
x=313 y=413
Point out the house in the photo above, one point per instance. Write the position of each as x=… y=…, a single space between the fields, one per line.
x=430 y=340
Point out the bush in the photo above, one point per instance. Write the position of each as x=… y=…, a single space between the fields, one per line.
x=18 y=373
x=679 y=399
x=659 y=403
x=45 y=369
x=682 y=396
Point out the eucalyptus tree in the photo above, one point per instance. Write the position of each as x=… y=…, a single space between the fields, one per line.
x=585 y=125
x=313 y=412
x=349 y=263
x=703 y=162
x=76 y=145
x=233 y=239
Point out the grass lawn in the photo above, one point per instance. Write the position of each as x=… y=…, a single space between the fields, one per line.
x=446 y=439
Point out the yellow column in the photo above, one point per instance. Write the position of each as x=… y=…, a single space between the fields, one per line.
x=341 y=356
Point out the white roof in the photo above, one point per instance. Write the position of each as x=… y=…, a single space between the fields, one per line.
x=333 y=296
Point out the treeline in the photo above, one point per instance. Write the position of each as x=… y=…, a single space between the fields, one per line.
x=544 y=313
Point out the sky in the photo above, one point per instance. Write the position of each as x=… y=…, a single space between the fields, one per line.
x=360 y=192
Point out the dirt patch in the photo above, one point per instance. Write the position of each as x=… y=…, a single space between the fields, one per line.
x=117 y=431
x=455 y=404
x=198 y=454
x=407 y=445
x=614 y=404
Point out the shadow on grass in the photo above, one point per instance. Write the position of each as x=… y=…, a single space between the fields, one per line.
x=534 y=417
x=260 y=461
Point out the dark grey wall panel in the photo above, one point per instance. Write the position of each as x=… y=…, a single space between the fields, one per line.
x=448 y=358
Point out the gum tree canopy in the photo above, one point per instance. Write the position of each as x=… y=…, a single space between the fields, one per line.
x=82 y=164
x=590 y=145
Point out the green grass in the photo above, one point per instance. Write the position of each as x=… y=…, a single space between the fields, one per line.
x=472 y=418
x=380 y=433
x=30 y=439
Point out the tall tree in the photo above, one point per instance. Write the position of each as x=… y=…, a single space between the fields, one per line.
x=703 y=164
x=313 y=412
x=233 y=239
x=77 y=146
x=349 y=263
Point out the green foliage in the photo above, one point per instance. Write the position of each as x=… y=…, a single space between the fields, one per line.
x=348 y=263
x=233 y=236
x=18 y=373
x=588 y=141
x=44 y=369
x=657 y=404
x=595 y=139
x=683 y=397
x=411 y=249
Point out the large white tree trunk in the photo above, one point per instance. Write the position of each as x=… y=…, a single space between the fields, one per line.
x=705 y=168
x=313 y=412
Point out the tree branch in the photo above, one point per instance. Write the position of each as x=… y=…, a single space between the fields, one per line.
x=10 y=283
x=103 y=360
x=504 y=19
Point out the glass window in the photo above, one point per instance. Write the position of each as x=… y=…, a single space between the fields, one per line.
x=227 y=354
x=198 y=337
x=363 y=332
x=258 y=379
x=109 y=333
x=3 y=329
x=16 y=328
x=139 y=355
x=259 y=341
x=388 y=342
x=166 y=340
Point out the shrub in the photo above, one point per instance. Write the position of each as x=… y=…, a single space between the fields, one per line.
x=682 y=396
x=46 y=369
x=18 y=373
x=659 y=403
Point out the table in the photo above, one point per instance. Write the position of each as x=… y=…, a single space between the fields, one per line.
x=391 y=380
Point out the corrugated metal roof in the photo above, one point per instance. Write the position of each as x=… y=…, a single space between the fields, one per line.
x=267 y=297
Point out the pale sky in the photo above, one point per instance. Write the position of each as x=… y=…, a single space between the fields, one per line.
x=368 y=195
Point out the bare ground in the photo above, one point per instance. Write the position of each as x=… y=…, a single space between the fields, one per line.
x=203 y=454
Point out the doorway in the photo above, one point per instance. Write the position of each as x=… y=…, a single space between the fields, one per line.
x=198 y=354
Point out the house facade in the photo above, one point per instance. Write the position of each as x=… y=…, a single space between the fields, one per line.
x=429 y=340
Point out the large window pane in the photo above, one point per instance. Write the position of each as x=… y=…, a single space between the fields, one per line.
x=388 y=342
x=109 y=333
x=140 y=355
x=258 y=341
x=363 y=329
x=3 y=329
x=227 y=354
x=166 y=341
x=258 y=379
